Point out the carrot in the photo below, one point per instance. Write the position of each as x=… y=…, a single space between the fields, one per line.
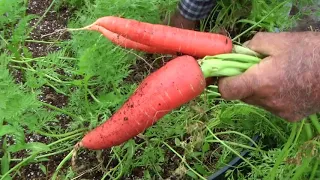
x=174 y=84
x=127 y=43
x=189 y=42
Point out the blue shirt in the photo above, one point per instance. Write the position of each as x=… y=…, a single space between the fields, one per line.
x=196 y=9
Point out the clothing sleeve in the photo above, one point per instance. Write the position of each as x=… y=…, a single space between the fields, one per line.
x=196 y=9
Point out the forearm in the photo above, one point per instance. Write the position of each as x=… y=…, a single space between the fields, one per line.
x=196 y=9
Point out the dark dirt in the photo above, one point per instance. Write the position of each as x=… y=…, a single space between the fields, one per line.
x=173 y=162
x=50 y=96
x=92 y=166
x=18 y=74
x=34 y=171
x=53 y=21
x=147 y=65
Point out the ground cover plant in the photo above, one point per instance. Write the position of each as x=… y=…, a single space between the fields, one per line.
x=56 y=87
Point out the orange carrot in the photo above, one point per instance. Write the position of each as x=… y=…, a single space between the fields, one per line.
x=189 y=42
x=127 y=43
x=171 y=86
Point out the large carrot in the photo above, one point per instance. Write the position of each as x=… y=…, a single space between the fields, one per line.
x=127 y=43
x=189 y=42
x=176 y=83
x=173 y=85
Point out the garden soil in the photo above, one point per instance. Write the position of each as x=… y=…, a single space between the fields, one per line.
x=57 y=20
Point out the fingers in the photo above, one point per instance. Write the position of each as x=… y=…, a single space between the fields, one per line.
x=269 y=43
x=238 y=87
x=248 y=83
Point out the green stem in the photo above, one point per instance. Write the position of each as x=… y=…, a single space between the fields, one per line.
x=61 y=110
x=283 y=138
x=5 y=41
x=46 y=75
x=43 y=156
x=243 y=50
x=54 y=153
x=234 y=143
x=114 y=168
x=314 y=170
x=232 y=150
x=86 y=79
x=258 y=21
x=40 y=19
x=183 y=160
x=63 y=139
x=18 y=165
x=30 y=60
x=218 y=67
x=43 y=57
x=44 y=42
x=284 y=152
x=307 y=128
x=59 y=135
x=56 y=89
x=61 y=164
x=234 y=57
x=93 y=97
x=302 y=168
x=121 y=166
x=237 y=133
x=315 y=122
x=67 y=58
x=297 y=135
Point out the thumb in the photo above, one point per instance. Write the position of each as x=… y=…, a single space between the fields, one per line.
x=240 y=86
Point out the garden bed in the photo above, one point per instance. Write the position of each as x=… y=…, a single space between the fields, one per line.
x=56 y=87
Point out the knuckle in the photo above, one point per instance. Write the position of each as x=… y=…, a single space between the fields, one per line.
x=255 y=41
x=258 y=36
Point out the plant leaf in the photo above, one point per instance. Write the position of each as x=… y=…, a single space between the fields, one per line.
x=205 y=147
x=5 y=163
x=7 y=129
x=43 y=169
x=33 y=146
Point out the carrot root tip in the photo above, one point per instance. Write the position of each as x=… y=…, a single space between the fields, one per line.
x=64 y=30
x=54 y=32
x=74 y=155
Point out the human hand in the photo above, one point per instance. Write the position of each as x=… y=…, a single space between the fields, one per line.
x=287 y=81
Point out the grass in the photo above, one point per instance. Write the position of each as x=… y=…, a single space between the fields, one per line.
x=87 y=78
